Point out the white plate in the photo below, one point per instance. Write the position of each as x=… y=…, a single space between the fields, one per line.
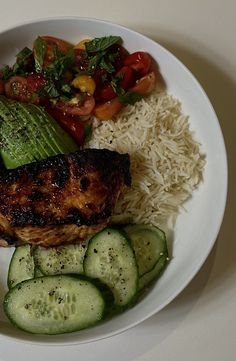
x=196 y=230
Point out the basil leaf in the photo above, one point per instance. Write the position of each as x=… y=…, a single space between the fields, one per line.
x=56 y=69
x=129 y=97
x=94 y=62
x=49 y=89
x=101 y=44
x=6 y=72
x=39 y=53
x=107 y=66
x=66 y=88
x=23 y=56
x=113 y=57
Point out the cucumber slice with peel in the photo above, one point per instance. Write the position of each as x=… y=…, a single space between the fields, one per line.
x=149 y=244
x=155 y=273
x=21 y=266
x=54 y=304
x=110 y=258
x=61 y=259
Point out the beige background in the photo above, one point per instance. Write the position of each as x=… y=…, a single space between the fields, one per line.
x=201 y=323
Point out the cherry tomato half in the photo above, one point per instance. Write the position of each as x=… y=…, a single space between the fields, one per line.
x=35 y=82
x=51 y=43
x=139 y=61
x=70 y=124
x=107 y=92
x=107 y=110
x=145 y=85
x=81 y=108
x=17 y=88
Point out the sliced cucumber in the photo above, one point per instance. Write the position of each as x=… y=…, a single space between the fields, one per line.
x=54 y=304
x=21 y=266
x=110 y=258
x=149 y=244
x=37 y=272
x=60 y=260
x=149 y=277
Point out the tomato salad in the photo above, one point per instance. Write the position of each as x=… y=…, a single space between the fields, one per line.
x=95 y=77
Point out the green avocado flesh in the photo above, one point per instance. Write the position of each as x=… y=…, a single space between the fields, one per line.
x=28 y=133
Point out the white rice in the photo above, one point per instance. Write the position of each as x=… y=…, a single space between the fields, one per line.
x=166 y=163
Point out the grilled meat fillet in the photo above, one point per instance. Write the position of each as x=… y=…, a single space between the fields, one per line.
x=61 y=199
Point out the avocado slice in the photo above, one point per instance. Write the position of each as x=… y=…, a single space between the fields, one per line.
x=28 y=133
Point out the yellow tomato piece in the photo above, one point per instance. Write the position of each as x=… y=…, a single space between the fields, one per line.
x=85 y=83
x=81 y=44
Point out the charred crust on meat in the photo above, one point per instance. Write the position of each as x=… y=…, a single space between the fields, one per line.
x=10 y=239
x=84 y=184
x=35 y=196
x=62 y=174
x=80 y=188
x=21 y=217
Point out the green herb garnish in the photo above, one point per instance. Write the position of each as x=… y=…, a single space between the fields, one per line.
x=126 y=97
x=23 y=56
x=107 y=66
x=49 y=89
x=58 y=67
x=101 y=44
x=6 y=72
x=66 y=88
x=94 y=61
x=39 y=53
x=129 y=97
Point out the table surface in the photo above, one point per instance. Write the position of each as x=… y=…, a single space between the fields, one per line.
x=200 y=324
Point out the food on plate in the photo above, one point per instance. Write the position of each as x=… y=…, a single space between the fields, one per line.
x=21 y=267
x=108 y=270
x=61 y=259
x=166 y=162
x=62 y=198
x=77 y=122
x=96 y=76
x=54 y=304
x=28 y=134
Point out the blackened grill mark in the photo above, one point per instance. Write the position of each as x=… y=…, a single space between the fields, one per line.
x=84 y=184
x=21 y=217
x=62 y=173
x=35 y=196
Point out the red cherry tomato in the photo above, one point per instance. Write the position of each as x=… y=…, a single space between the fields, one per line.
x=127 y=77
x=98 y=76
x=35 y=82
x=51 y=43
x=145 y=85
x=139 y=61
x=70 y=124
x=122 y=55
x=84 y=107
x=107 y=92
x=107 y=110
x=17 y=88
x=2 y=87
